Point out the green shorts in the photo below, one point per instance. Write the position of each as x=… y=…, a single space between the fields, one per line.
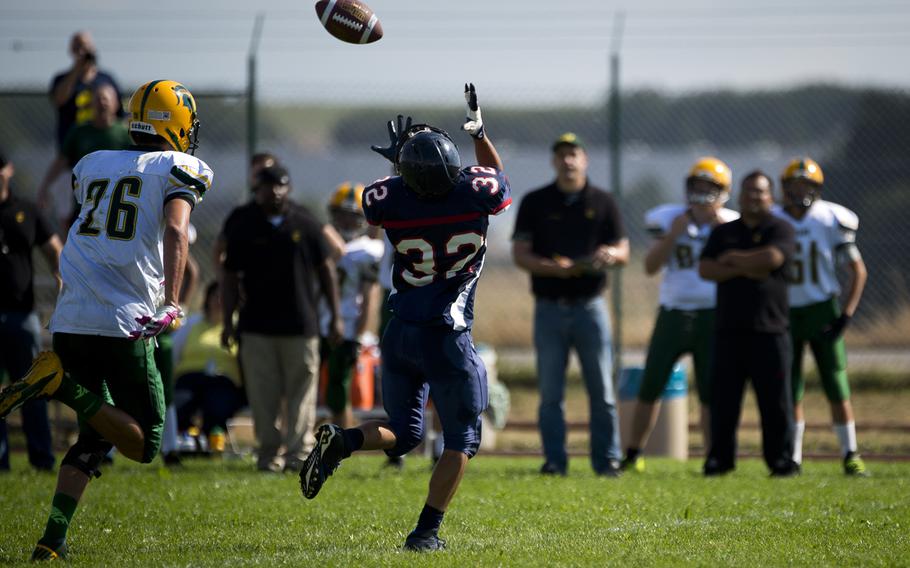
x=340 y=361
x=676 y=333
x=122 y=372
x=806 y=324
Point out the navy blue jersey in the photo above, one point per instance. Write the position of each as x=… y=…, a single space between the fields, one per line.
x=439 y=244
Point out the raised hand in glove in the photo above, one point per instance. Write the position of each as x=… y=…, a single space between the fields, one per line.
x=473 y=121
x=156 y=323
x=836 y=328
x=396 y=137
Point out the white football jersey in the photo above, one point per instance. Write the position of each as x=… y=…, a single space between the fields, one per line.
x=820 y=234
x=112 y=263
x=682 y=288
x=359 y=264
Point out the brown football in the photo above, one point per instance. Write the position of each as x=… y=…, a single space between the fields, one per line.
x=349 y=20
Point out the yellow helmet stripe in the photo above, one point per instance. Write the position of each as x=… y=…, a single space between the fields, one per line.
x=145 y=96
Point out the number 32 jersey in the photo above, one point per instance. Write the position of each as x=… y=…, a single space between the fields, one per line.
x=682 y=288
x=112 y=263
x=821 y=234
x=439 y=244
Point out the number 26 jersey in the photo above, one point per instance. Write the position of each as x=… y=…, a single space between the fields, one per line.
x=439 y=244
x=112 y=262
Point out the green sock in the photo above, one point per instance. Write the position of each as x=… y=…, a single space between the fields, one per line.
x=83 y=401
x=62 y=510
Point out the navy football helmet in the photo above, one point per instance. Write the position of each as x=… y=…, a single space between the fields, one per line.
x=428 y=161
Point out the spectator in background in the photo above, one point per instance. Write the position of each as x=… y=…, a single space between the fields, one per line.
x=748 y=259
x=208 y=376
x=567 y=235
x=258 y=161
x=22 y=229
x=358 y=273
x=103 y=132
x=685 y=321
x=71 y=90
x=276 y=251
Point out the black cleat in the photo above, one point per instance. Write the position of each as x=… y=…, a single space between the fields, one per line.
x=424 y=543
x=323 y=460
x=45 y=552
x=713 y=468
x=550 y=468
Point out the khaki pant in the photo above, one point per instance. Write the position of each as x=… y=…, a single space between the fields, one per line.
x=276 y=368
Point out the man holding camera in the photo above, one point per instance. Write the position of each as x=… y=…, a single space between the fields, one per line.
x=71 y=91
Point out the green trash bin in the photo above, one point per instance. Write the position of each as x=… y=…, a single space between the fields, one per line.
x=670 y=437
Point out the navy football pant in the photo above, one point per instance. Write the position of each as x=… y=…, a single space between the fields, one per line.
x=438 y=361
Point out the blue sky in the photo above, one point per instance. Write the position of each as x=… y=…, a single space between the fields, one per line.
x=516 y=52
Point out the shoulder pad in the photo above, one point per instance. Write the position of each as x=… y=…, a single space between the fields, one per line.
x=846 y=219
x=659 y=219
x=727 y=215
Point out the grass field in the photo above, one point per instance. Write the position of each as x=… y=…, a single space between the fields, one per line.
x=212 y=513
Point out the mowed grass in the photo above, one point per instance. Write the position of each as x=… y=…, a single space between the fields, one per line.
x=212 y=513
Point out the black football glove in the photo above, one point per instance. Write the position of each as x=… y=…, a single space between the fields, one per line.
x=836 y=328
x=396 y=137
x=473 y=121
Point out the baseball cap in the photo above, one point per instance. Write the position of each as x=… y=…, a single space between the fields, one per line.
x=568 y=139
x=273 y=175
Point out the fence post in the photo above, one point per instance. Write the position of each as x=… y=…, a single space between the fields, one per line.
x=251 y=118
x=615 y=140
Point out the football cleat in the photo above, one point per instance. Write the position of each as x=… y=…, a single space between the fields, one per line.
x=42 y=379
x=424 y=543
x=854 y=465
x=636 y=464
x=323 y=460
x=44 y=552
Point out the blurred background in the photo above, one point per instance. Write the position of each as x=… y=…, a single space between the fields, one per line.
x=650 y=87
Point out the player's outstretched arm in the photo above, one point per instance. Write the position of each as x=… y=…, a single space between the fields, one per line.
x=484 y=150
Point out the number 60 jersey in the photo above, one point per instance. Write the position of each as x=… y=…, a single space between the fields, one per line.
x=439 y=244
x=112 y=263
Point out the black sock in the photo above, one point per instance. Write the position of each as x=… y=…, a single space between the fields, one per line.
x=429 y=521
x=353 y=441
x=632 y=453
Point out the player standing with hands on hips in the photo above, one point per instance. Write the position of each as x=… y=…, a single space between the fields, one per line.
x=825 y=237
x=435 y=214
x=122 y=267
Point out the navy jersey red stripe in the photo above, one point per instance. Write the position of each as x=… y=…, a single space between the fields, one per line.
x=439 y=244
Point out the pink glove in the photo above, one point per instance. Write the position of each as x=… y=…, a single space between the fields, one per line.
x=156 y=323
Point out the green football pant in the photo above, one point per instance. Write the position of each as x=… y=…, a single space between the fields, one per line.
x=676 y=333
x=806 y=325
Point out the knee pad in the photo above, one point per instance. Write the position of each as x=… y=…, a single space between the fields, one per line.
x=87 y=456
x=405 y=441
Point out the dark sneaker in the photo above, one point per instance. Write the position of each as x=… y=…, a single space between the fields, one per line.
x=395 y=463
x=714 y=468
x=323 y=460
x=854 y=465
x=792 y=469
x=427 y=543
x=44 y=552
x=550 y=468
x=636 y=464
x=42 y=379
x=612 y=469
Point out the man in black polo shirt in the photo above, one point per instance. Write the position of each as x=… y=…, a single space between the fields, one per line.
x=276 y=251
x=21 y=230
x=566 y=236
x=748 y=260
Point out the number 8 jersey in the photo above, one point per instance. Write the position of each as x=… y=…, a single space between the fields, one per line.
x=439 y=244
x=112 y=263
x=821 y=234
x=682 y=288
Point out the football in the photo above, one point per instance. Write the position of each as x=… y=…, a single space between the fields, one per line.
x=349 y=20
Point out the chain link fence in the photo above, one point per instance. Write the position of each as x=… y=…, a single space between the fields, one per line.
x=856 y=135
